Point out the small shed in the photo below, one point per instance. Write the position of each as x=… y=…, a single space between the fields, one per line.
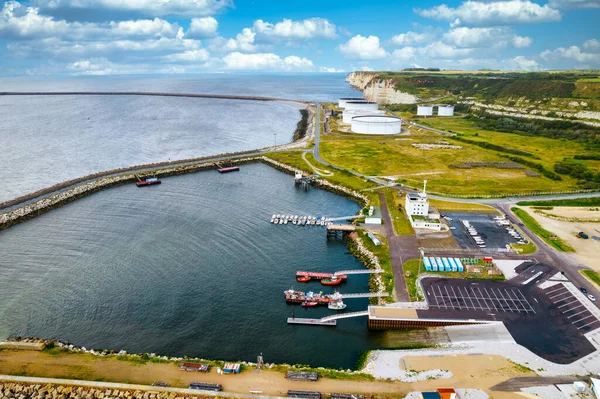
x=430 y=395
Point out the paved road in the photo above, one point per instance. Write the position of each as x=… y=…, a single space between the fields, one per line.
x=402 y=248
x=515 y=384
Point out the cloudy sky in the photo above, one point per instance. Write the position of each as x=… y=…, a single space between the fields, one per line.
x=94 y=37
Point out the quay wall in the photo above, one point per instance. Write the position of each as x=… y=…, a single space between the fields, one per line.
x=389 y=324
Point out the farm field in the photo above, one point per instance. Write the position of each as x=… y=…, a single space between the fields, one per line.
x=394 y=156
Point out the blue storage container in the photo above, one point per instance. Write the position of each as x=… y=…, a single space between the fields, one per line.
x=426 y=263
x=453 y=264
x=460 y=265
x=447 y=264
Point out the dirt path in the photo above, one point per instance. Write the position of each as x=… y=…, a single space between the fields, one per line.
x=318 y=171
x=480 y=371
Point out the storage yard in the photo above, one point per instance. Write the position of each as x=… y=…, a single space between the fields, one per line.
x=482 y=231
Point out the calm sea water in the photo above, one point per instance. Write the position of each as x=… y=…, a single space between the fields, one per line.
x=47 y=140
x=192 y=267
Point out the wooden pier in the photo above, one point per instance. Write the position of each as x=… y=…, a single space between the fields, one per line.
x=339 y=230
x=312 y=322
x=321 y=276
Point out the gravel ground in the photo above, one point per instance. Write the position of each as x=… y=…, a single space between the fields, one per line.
x=460 y=394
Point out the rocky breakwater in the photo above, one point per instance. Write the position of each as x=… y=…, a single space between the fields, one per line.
x=371 y=261
x=45 y=390
x=379 y=90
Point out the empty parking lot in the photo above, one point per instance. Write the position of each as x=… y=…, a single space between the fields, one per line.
x=572 y=308
x=476 y=297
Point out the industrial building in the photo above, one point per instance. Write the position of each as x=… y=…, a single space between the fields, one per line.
x=373 y=124
x=342 y=101
x=425 y=110
x=419 y=212
x=445 y=110
x=351 y=113
x=362 y=105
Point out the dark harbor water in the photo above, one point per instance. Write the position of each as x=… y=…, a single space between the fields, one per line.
x=190 y=267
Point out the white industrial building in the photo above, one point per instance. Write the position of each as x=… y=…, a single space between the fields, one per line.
x=373 y=124
x=419 y=213
x=425 y=110
x=351 y=113
x=362 y=105
x=445 y=110
x=342 y=101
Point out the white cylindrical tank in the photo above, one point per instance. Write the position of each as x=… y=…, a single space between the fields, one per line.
x=445 y=110
x=362 y=105
x=351 y=113
x=425 y=110
x=376 y=124
x=342 y=101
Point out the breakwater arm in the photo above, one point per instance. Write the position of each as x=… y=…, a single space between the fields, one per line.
x=145 y=93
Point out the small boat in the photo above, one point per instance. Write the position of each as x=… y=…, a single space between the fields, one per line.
x=272 y=220
x=331 y=281
x=336 y=305
x=303 y=279
x=148 y=182
x=310 y=304
x=285 y=221
x=294 y=221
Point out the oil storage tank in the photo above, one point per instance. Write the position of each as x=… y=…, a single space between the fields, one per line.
x=376 y=124
x=425 y=110
x=445 y=110
x=342 y=101
x=351 y=113
x=362 y=105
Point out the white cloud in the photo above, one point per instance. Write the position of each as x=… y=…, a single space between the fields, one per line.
x=144 y=27
x=573 y=4
x=184 y=8
x=485 y=37
x=200 y=55
x=444 y=51
x=364 y=48
x=411 y=38
x=244 y=41
x=266 y=61
x=477 y=13
x=592 y=45
x=523 y=63
x=306 y=29
x=572 y=54
x=330 y=70
x=403 y=55
x=18 y=21
x=102 y=66
x=202 y=27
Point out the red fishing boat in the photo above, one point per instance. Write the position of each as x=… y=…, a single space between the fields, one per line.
x=309 y=304
x=303 y=279
x=331 y=281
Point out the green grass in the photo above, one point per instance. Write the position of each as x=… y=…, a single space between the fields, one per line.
x=395 y=156
x=411 y=273
x=594 y=201
x=451 y=206
x=383 y=254
x=592 y=275
x=538 y=230
x=402 y=225
x=524 y=249
x=343 y=178
x=325 y=373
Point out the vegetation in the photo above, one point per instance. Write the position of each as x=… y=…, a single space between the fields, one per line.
x=540 y=168
x=594 y=201
x=588 y=178
x=592 y=275
x=451 y=206
x=524 y=249
x=550 y=238
x=411 y=273
x=300 y=131
x=556 y=129
x=490 y=146
x=401 y=223
x=326 y=373
x=383 y=254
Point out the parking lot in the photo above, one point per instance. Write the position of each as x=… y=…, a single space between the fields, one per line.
x=572 y=308
x=477 y=297
x=495 y=236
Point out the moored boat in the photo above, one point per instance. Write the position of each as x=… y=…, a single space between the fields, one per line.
x=310 y=304
x=336 y=305
x=303 y=279
x=331 y=281
x=148 y=182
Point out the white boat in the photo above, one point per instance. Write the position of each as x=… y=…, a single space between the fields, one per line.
x=285 y=221
x=337 y=305
x=274 y=216
x=272 y=220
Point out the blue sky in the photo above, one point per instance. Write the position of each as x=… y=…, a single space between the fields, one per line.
x=99 y=37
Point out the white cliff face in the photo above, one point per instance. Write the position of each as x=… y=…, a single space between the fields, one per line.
x=379 y=90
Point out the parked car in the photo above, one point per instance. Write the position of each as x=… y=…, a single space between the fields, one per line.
x=583 y=289
x=592 y=298
x=159 y=384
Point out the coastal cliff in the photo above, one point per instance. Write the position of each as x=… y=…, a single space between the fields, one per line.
x=379 y=90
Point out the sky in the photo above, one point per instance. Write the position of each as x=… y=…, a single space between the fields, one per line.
x=104 y=37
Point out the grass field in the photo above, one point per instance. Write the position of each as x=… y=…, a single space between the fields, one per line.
x=592 y=275
x=544 y=234
x=402 y=225
x=395 y=156
x=594 y=201
x=451 y=206
x=294 y=158
x=383 y=254
x=524 y=249
x=412 y=267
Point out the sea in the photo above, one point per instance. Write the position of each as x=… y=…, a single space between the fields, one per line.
x=192 y=266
